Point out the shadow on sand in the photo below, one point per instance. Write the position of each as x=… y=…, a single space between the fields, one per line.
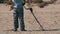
x=46 y=30
x=34 y=30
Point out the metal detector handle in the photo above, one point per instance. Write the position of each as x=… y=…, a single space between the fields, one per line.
x=29 y=9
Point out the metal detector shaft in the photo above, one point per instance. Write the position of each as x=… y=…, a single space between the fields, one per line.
x=37 y=20
x=35 y=17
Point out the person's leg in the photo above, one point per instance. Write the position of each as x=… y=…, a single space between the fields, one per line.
x=21 y=16
x=22 y=25
x=15 y=15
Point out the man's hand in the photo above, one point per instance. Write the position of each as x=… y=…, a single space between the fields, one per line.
x=12 y=4
x=11 y=8
x=24 y=1
x=23 y=4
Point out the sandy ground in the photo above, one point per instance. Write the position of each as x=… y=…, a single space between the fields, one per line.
x=48 y=17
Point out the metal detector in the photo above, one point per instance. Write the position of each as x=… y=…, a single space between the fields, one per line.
x=31 y=10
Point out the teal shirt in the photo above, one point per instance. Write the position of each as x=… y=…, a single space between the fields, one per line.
x=18 y=3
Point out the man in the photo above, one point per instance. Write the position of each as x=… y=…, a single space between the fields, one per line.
x=17 y=5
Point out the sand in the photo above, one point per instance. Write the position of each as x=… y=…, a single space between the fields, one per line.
x=48 y=17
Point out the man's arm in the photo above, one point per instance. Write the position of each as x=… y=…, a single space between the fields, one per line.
x=11 y=7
